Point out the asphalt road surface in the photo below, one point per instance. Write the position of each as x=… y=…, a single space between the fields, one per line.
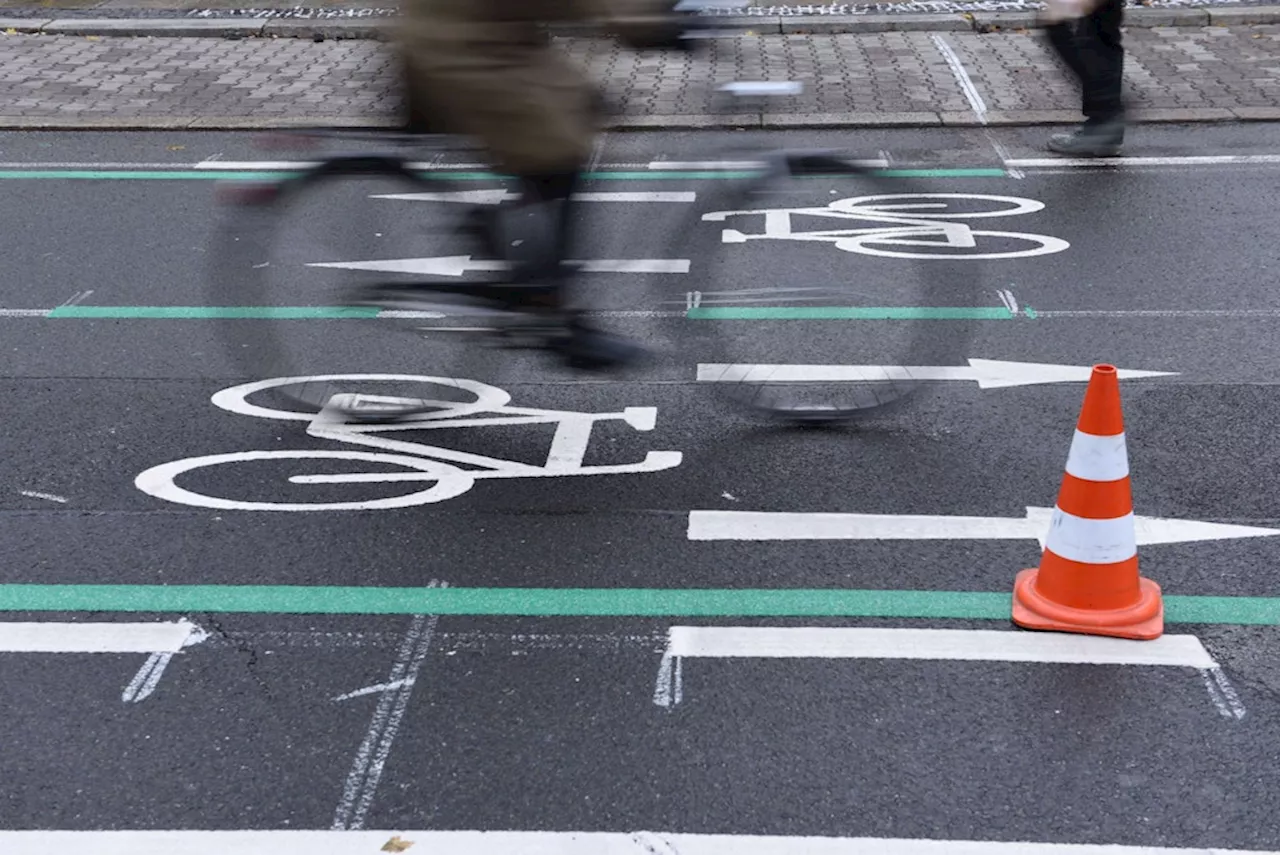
x=261 y=678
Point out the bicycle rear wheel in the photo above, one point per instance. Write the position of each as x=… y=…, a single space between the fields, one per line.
x=815 y=295
x=321 y=271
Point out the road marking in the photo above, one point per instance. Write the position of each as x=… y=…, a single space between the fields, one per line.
x=210 y=174
x=755 y=642
x=458 y=265
x=48 y=497
x=1223 y=694
x=581 y=602
x=941 y=313
x=42 y=842
x=147 y=678
x=371 y=757
x=62 y=637
x=494 y=197
x=1189 y=160
x=212 y=312
x=849 y=313
x=371 y=690
x=975 y=645
x=762 y=525
x=970 y=91
x=989 y=373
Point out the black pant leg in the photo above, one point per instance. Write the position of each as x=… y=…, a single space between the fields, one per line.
x=1101 y=56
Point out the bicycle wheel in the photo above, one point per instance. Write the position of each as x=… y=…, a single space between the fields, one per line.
x=788 y=312
x=445 y=481
x=350 y=266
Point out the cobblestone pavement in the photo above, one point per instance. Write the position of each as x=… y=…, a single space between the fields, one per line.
x=1174 y=74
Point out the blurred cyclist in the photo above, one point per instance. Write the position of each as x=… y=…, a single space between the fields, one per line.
x=486 y=69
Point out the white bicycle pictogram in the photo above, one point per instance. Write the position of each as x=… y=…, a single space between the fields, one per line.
x=441 y=470
x=920 y=220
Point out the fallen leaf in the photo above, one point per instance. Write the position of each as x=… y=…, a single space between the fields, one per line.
x=176 y=147
x=11 y=32
x=395 y=844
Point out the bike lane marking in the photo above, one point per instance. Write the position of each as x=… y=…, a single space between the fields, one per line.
x=952 y=645
x=49 y=637
x=187 y=174
x=288 y=842
x=581 y=602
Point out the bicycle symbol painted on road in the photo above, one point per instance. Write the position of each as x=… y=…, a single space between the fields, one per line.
x=919 y=225
x=438 y=469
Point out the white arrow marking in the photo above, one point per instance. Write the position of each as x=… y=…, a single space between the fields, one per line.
x=989 y=373
x=754 y=525
x=493 y=197
x=457 y=265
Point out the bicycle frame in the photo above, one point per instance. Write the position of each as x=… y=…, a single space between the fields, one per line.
x=568 y=446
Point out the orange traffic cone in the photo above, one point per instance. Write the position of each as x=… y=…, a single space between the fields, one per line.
x=1088 y=578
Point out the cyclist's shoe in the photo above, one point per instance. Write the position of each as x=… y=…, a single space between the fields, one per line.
x=1093 y=139
x=589 y=349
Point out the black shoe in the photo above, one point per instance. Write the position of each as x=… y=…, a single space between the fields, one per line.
x=1093 y=139
x=588 y=349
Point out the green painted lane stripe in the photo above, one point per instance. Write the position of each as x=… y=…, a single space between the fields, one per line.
x=579 y=602
x=847 y=313
x=203 y=312
x=444 y=175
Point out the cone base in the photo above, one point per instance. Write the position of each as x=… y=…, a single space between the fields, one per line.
x=1143 y=621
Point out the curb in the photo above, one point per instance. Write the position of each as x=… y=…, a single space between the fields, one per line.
x=981 y=22
x=691 y=122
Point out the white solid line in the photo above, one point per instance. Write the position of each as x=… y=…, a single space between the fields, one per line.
x=24 y=313
x=1223 y=694
x=662 y=692
x=42 y=842
x=705 y=165
x=409 y=314
x=60 y=637
x=370 y=690
x=371 y=757
x=970 y=91
x=1190 y=160
x=1002 y=152
x=1159 y=313
x=661 y=196
x=273 y=165
x=252 y=165
x=984 y=645
x=494 y=197
x=48 y=497
x=735 y=165
x=147 y=678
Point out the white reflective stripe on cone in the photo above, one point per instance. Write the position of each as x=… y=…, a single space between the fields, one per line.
x=1091 y=541
x=1098 y=458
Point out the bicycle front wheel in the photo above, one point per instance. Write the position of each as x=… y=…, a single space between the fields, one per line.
x=789 y=313
x=346 y=267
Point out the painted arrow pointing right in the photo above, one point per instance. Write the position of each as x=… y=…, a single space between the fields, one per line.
x=759 y=526
x=989 y=373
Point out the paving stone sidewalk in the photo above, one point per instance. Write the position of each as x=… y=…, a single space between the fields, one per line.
x=891 y=78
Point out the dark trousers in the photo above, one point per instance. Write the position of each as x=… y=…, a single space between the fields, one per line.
x=1091 y=48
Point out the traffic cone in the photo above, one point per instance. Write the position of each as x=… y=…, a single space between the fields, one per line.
x=1088 y=578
